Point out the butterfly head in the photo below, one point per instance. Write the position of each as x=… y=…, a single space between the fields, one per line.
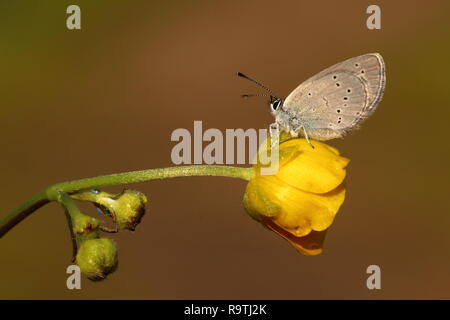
x=275 y=104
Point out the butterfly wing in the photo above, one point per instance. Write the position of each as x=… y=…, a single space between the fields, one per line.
x=338 y=99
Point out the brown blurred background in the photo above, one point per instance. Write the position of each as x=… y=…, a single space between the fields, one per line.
x=105 y=99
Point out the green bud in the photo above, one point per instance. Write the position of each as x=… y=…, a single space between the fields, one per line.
x=127 y=207
x=85 y=227
x=97 y=258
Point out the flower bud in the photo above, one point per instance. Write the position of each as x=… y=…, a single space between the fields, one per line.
x=97 y=258
x=85 y=227
x=127 y=208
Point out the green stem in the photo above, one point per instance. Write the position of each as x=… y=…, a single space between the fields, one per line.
x=69 y=207
x=21 y=212
x=51 y=193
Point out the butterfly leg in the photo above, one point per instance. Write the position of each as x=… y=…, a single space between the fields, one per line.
x=306 y=137
x=274 y=131
x=293 y=133
x=274 y=127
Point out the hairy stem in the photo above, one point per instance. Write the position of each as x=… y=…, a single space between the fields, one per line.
x=51 y=193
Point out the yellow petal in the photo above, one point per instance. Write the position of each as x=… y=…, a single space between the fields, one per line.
x=300 y=211
x=310 y=244
x=317 y=170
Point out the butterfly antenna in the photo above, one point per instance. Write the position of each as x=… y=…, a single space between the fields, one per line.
x=240 y=74
x=256 y=95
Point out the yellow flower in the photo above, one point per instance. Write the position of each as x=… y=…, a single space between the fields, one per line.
x=300 y=201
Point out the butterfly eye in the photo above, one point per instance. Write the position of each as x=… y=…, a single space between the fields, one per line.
x=275 y=105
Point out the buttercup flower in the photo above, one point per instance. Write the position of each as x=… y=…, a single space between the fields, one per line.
x=97 y=258
x=300 y=201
